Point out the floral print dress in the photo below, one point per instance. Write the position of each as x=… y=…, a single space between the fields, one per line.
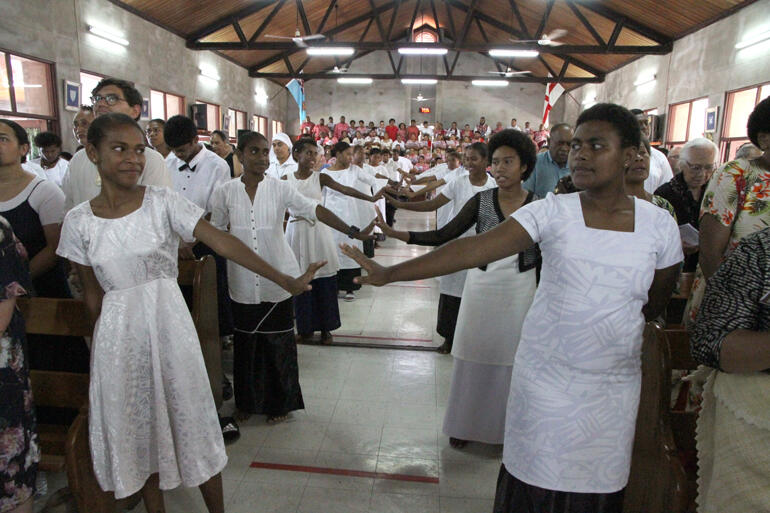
x=738 y=195
x=19 y=452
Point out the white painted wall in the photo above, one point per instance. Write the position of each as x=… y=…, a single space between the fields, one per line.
x=705 y=63
x=55 y=30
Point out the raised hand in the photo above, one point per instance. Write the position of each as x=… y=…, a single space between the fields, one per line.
x=297 y=286
x=376 y=274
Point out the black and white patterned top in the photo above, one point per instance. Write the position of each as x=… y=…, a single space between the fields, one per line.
x=483 y=210
x=734 y=298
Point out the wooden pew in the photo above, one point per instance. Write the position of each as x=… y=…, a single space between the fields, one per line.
x=67 y=447
x=657 y=483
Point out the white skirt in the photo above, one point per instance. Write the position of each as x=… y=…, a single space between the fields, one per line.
x=313 y=243
x=151 y=407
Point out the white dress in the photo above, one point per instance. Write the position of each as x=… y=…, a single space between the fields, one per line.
x=577 y=374
x=345 y=208
x=311 y=241
x=150 y=404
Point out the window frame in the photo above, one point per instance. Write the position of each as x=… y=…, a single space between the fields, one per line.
x=182 y=111
x=726 y=144
x=219 y=117
x=276 y=126
x=258 y=118
x=52 y=120
x=669 y=126
x=236 y=125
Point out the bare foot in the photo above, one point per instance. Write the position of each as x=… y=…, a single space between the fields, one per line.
x=326 y=338
x=277 y=419
x=241 y=415
x=444 y=348
x=458 y=443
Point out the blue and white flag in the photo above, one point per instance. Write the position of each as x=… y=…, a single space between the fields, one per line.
x=297 y=90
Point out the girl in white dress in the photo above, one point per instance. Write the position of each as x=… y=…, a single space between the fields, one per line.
x=152 y=420
x=317 y=309
x=610 y=261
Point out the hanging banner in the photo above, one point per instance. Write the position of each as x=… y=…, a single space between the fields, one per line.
x=297 y=90
x=553 y=91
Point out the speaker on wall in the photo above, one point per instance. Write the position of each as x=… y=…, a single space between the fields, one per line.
x=198 y=114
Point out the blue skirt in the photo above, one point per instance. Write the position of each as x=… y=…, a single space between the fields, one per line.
x=317 y=309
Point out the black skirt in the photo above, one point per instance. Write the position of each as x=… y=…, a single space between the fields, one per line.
x=265 y=369
x=345 y=279
x=317 y=309
x=448 y=309
x=516 y=496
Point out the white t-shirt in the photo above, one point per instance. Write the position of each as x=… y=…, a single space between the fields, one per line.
x=197 y=180
x=45 y=198
x=660 y=171
x=576 y=378
x=35 y=169
x=277 y=170
x=56 y=173
x=83 y=183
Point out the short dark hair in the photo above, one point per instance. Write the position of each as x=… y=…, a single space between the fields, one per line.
x=161 y=122
x=246 y=137
x=518 y=142
x=392 y=119
x=453 y=153
x=97 y=131
x=89 y=108
x=559 y=126
x=759 y=121
x=637 y=112
x=374 y=151
x=46 y=139
x=21 y=135
x=339 y=148
x=622 y=120
x=221 y=135
x=480 y=148
x=133 y=97
x=301 y=143
x=179 y=130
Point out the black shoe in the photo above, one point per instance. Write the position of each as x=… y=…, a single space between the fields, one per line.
x=230 y=430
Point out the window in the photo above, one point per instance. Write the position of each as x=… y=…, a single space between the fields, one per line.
x=213 y=121
x=277 y=127
x=237 y=122
x=163 y=105
x=686 y=120
x=259 y=124
x=738 y=106
x=88 y=83
x=27 y=94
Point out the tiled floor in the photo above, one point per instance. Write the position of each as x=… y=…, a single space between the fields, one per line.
x=373 y=410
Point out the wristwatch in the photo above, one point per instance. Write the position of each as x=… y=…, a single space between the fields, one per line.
x=353 y=231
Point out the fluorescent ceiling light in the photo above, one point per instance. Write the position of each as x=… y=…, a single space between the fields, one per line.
x=589 y=101
x=422 y=51
x=109 y=36
x=261 y=96
x=420 y=81
x=489 y=83
x=208 y=73
x=330 y=50
x=513 y=53
x=354 y=81
x=644 y=80
x=753 y=40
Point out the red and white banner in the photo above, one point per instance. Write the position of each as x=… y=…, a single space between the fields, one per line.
x=553 y=91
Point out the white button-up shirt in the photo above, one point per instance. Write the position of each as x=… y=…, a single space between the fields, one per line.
x=83 y=183
x=278 y=170
x=660 y=171
x=259 y=225
x=56 y=173
x=197 y=180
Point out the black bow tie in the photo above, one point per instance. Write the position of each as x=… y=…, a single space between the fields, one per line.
x=185 y=166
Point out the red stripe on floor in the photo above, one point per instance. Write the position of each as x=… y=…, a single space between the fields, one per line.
x=385 y=338
x=410 y=286
x=344 y=472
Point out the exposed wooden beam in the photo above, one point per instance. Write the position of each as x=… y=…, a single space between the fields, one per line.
x=563 y=70
x=239 y=31
x=481 y=29
x=396 y=5
x=454 y=63
x=544 y=21
x=520 y=19
x=303 y=18
x=228 y=20
x=456 y=78
x=289 y=67
x=366 y=31
x=648 y=32
x=392 y=63
x=547 y=66
x=435 y=18
x=267 y=21
x=379 y=23
x=579 y=15
x=414 y=17
x=448 y=8
x=446 y=65
x=400 y=62
x=489 y=20
x=615 y=33
x=321 y=25
x=467 y=23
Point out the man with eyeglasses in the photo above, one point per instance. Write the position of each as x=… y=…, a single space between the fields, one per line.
x=697 y=161
x=660 y=169
x=82 y=182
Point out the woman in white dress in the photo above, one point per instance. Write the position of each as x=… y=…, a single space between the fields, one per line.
x=501 y=292
x=316 y=309
x=610 y=261
x=152 y=421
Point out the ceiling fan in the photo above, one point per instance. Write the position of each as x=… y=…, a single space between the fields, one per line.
x=509 y=72
x=298 y=38
x=546 y=39
x=421 y=98
x=338 y=69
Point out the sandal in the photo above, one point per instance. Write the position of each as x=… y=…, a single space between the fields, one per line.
x=230 y=430
x=326 y=338
x=445 y=348
x=277 y=419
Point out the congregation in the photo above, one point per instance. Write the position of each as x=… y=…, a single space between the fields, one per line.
x=555 y=246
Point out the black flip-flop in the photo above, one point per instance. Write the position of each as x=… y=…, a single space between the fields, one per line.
x=230 y=430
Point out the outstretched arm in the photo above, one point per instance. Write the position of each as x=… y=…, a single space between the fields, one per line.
x=328 y=181
x=330 y=219
x=506 y=239
x=420 y=206
x=233 y=249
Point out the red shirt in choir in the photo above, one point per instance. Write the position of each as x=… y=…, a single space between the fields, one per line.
x=392 y=131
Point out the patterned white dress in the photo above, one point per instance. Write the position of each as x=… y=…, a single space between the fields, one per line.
x=150 y=404
x=577 y=374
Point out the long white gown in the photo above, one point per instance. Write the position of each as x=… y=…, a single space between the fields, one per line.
x=150 y=404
